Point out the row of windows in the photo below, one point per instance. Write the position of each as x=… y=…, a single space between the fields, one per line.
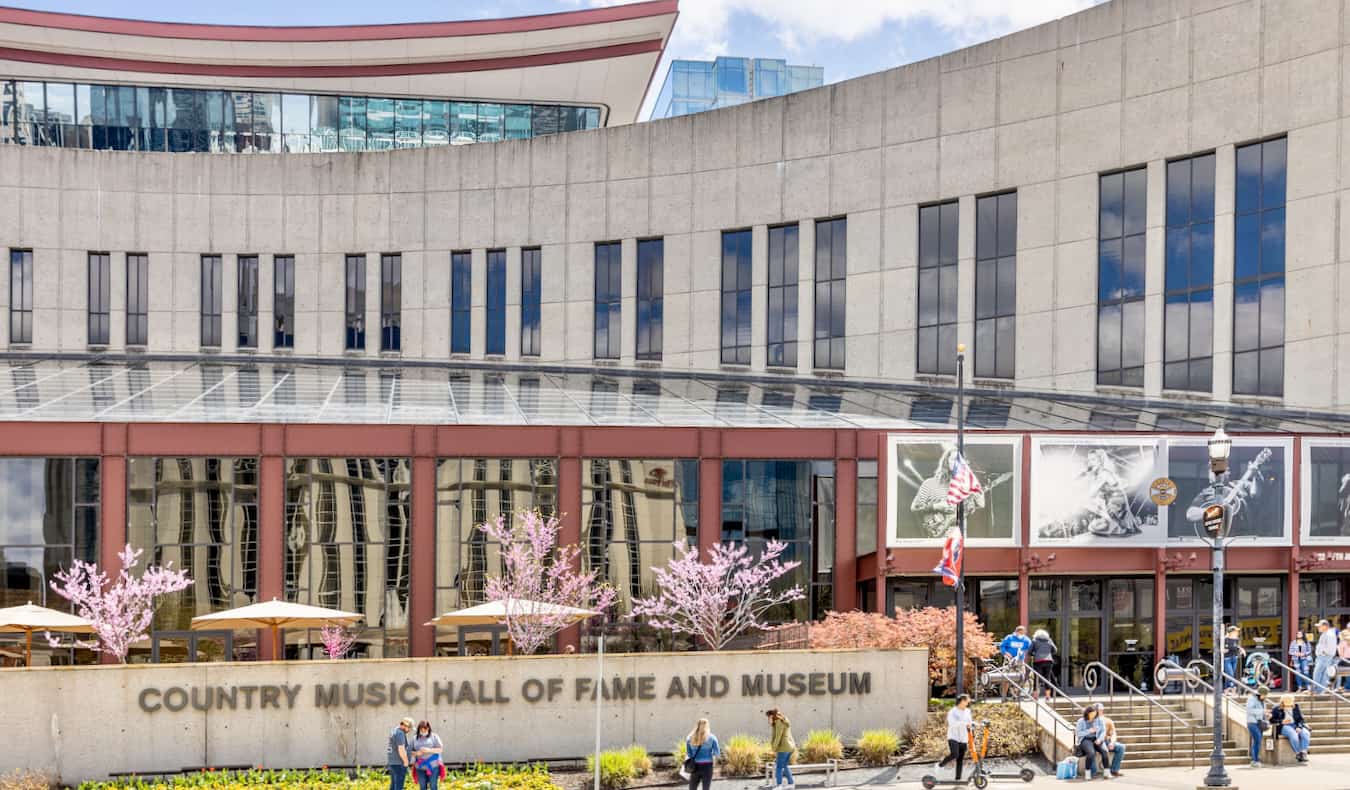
x=142 y=118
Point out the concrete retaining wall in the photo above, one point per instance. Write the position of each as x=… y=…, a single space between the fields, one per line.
x=89 y=722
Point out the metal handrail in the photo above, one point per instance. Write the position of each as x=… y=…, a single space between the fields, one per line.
x=1313 y=699
x=1090 y=681
x=1054 y=716
x=1192 y=682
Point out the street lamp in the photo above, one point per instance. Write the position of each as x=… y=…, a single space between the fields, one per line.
x=1214 y=530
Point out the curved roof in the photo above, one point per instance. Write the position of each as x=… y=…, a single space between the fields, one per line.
x=601 y=56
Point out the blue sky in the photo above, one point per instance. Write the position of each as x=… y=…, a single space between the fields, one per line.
x=847 y=37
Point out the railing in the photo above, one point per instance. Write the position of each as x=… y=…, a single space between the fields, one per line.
x=1314 y=700
x=1093 y=673
x=1019 y=677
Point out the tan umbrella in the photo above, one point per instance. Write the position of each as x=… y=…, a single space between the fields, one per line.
x=495 y=612
x=29 y=618
x=275 y=615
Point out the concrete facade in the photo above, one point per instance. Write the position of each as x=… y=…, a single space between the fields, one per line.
x=1042 y=111
x=119 y=719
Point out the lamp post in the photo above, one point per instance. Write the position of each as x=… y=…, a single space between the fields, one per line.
x=1214 y=530
x=961 y=523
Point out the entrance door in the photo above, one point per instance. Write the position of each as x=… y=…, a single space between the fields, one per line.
x=1095 y=619
x=185 y=647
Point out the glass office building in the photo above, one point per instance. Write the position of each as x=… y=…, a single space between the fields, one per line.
x=697 y=85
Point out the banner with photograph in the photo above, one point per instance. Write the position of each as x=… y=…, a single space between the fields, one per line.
x=918 y=478
x=1259 y=496
x=1090 y=491
x=1326 y=491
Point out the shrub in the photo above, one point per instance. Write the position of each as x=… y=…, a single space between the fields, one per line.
x=642 y=762
x=25 y=780
x=742 y=755
x=480 y=777
x=876 y=747
x=931 y=627
x=1011 y=732
x=822 y=745
x=616 y=768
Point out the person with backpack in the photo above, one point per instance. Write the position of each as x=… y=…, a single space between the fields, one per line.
x=783 y=747
x=1042 y=653
x=1256 y=722
x=701 y=750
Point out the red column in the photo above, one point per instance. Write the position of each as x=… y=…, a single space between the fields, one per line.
x=112 y=517
x=1024 y=536
x=883 y=525
x=422 y=583
x=271 y=535
x=1159 y=606
x=569 y=516
x=845 y=534
x=709 y=504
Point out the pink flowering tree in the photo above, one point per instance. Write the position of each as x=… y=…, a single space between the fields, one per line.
x=718 y=599
x=539 y=576
x=121 y=611
x=337 y=641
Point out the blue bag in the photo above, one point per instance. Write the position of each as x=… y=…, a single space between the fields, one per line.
x=1067 y=768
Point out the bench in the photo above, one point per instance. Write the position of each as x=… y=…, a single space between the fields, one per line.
x=830 y=767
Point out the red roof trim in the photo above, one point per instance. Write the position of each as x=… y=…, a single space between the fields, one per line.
x=368 y=70
x=473 y=27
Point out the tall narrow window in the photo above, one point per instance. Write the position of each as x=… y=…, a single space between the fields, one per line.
x=782 y=328
x=651 y=255
x=356 y=303
x=138 y=299
x=995 y=285
x=100 y=298
x=531 y=295
x=1258 y=270
x=1120 y=278
x=831 y=277
x=736 y=310
x=496 y=302
x=20 y=296
x=461 y=301
x=608 y=318
x=937 y=288
x=247 y=306
x=283 y=301
x=1188 y=315
x=391 y=302
x=211 y=281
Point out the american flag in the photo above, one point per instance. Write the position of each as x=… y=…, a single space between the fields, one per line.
x=950 y=567
x=963 y=481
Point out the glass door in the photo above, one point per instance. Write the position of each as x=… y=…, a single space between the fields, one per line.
x=1130 y=635
x=1084 y=627
x=182 y=647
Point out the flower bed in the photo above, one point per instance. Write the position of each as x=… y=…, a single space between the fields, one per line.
x=483 y=777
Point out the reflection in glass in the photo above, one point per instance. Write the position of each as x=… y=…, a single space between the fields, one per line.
x=1258 y=320
x=348 y=540
x=937 y=288
x=1120 y=278
x=831 y=270
x=995 y=284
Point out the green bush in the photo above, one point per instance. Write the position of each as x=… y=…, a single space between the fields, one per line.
x=876 y=747
x=480 y=777
x=742 y=755
x=642 y=762
x=617 y=770
x=822 y=745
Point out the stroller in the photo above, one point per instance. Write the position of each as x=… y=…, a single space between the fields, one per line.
x=1256 y=671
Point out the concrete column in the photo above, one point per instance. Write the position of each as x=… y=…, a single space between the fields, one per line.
x=806 y=296
x=1154 y=274
x=478 y=304
x=759 y=296
x=271 y=537
x=1225 y=167
x=569 y=514
x=628 y=300
x=965 y=281
x=422 y=582
x=513 y=303
x=845 y=534
x=709 y=503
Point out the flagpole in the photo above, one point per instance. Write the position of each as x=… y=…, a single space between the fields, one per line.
x=961 y=521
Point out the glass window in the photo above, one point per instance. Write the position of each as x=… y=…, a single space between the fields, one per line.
x=831 y=277
x=463 y=122
x=379 y=124
x=352 y=116
x=736 y=290
x=283 y=301
x=732 y=75
x=20 y=296
x=865 y=520
x=461 y=301
x=1258 y=287
x=407 y=123
x=531 y=297
x=608 y=300
x=782 y=329
x=996 y=285
x=1188 y=313
x=349 y=536
x=496 y=302
x=267 y=122
x=1120 y=278
x=937 y=289
x=324 y=123
x=489 y=123
x=517 y=121
x=295 y=123
x=391 y=302
x=100 y=298
x=650 y=298
x=247 y=304
x=138 y=299
x=356 y=303
x=211 y=300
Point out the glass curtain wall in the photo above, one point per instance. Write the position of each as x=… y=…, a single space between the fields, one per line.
x=348 y=542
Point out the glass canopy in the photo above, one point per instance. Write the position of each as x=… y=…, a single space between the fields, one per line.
x=176 y=390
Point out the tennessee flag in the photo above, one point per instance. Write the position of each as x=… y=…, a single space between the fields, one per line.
x=963 y=482
x=950 y=567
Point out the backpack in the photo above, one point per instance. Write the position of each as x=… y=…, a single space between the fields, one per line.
x=1067 y=768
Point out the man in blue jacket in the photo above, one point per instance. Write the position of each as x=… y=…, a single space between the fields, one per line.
x=1014 y=649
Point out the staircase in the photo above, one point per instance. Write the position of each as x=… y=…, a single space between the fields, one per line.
x=1328 y=720
x=1155 y=740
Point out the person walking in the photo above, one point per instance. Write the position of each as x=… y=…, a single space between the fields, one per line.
x=426 y=753
x=1042 y=653
x=1110 y=746
x=783 y=746
x=1014 y=648
x=1086 y=734
x=1324 y=657
x=1343 y=660
x=1256 y=722
x=1233 y=654
x=702 y=749
x=1286 y=719
x=396 y=754
x=958 y=729
x=1300 y=653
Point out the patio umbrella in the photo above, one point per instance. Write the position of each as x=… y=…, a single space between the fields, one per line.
x=495 y=612
x=275 y=615
x=29 y=618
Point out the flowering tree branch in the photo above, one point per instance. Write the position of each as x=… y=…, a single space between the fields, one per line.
x=121 y=612
x=539 y=575
x=337 y=641
x=718 y=599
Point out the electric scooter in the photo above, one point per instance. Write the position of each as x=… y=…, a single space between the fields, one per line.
x=979 y=775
